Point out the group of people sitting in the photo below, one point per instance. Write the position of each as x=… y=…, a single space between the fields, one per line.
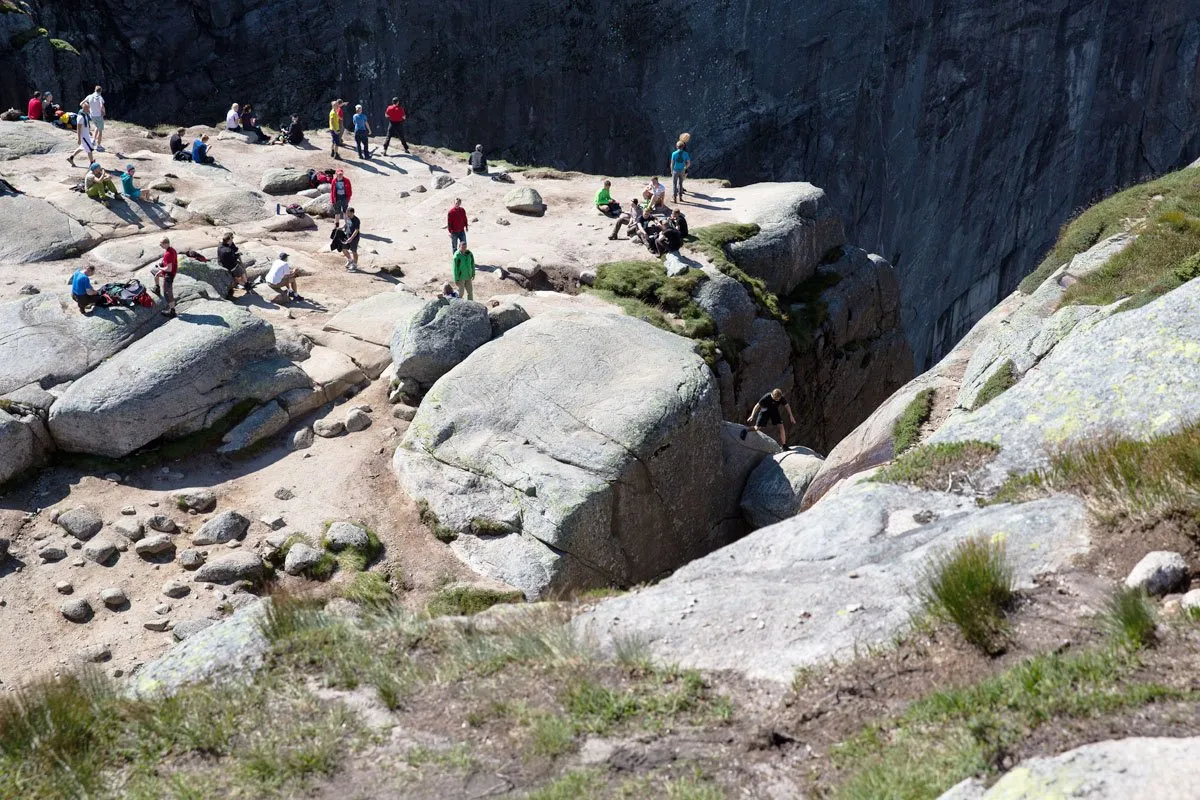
x=644 y=219
x=241 y=119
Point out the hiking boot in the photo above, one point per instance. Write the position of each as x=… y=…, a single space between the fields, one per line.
x=613 y=237
x=156 y=291
x=71 y=161
x=168 y=313
x=300 y=298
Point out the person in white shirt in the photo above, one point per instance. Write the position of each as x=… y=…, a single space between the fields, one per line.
x=233 y=120
x=655 y=194
x=95 y=102
x=282 y=278
x=83 y=126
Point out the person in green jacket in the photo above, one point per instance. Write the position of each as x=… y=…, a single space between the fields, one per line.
x=464 y=271
x=604 y=201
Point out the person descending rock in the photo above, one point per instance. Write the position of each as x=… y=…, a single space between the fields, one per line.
x=604 y=202
x=395 y=117
x=98 y=112
x=282 y=278
x=352 y=227
x=362 y=133
x=34 y=110
x=179 y=150
x=456 y=223
x=340 y=191
x=464 y=271
x=335 y=129
x=477 y=163
x=767 y=410
x=99 y=185
x=680 y=161
x=82 y=291
x=200 y=153
x=83 y=126
x=230 y=259
x=233 y=118
x=164 y=276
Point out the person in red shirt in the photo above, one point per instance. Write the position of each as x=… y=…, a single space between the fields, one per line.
x=340 y=191
x=456 y=223
x=164 y=276
x=395 y=117
x=35 y=106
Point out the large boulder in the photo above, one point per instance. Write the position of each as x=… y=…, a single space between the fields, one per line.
x=525 y=200
x=727 y=302
x=24 y=443
x=18 y=140
x=576 y=450
x=284 y=181
x=828 y=582
x=374 y=318
x=437 y=337
x=35 y=230
x=230 y=206
x=180 y=379
x=776 y=488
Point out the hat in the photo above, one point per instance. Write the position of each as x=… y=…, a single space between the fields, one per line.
x=95 y=165
x=129 y=168
x=283 y=256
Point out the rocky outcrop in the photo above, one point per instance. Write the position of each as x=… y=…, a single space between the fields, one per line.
x=604 y=469
x=284 y=181
x=36 y=230
x=230 y=206
x=775 y=490
x=438 y=336
x=24 y=442
x=798 y=228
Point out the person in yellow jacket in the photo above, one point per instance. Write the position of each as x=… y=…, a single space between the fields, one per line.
x=335 y=129
x=464 y=271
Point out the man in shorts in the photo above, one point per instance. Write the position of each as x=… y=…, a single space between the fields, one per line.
x=766 y=410
x=282 y=278
x=231 y=260
x=353 y=230
x=340 y=192
x=83 y=128
x=95 y=102
x=164 y=276
x=82 y=291
x=335 y=129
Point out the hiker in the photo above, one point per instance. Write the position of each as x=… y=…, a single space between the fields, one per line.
x=282 y=278
x=448 y=291
x=295 y=132
x=50 y=109
x=82 y=292
x=340 y=191
x=200 y=151
x=395 y=117
x=477 y=164
x=464 y=271
x=456 y=223
x=83 y=127
x=127 y=185
x=233 y=118
x=98 y=184
x=631 y=218
x=179 y=150
x=352 y=228
x=604 y=202
x=335 y=129
x=164 y=276
x=362 y=132
x=95 y=102
x=655 y=195
x=231 y=260
x=679 y=222
x=668 y=240
x=34 y=109
x=767 y=410
x=680 y=161
x=249 y=122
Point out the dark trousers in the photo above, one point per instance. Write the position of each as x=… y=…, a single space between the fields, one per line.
x=361 y=144
x=395 y=129
x=85 y=301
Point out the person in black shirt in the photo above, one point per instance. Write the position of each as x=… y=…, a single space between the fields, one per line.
x=178 y=149
x=766 y=410
x=230 y=259
x=352 y=228
x=295 y=132
x=478 y=164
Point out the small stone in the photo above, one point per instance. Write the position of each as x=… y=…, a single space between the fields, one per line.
x=442 y=181
x=83 y=523
x=273 y=521
x=29 y=289
x=162 y=609
x=343 y=535
x=175 y=589
x=301 y=558
x=79 y=562
x=502 y=221
x=404 y=194
x=418 y=189
x=191 y=559
x=131 y=529
x=128 y=511
x=1159 y=573
x=153 y=504
x=283 y=493
x=302 y=439
x=357 y=421
x=118 y=673
x=157 y=625
x=100 y=550
x=154 y=545
x=190 y=627
x=223 y=528
x=200 y=500
x=76 y=610
x=112 y=477
x=113 y=597
x=276 y=540
x=52 y=553
x=404 y=412
x=64 y=587
x=1190 y=601
x=163 y=523
x=95 y=654
x=231 y=569
x=328 y=428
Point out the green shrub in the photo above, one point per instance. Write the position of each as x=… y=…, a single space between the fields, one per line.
x=551 y=735
x=934 y=466
x=468 y=600
x=906 y=431
x=971 y=587
x=1129 y=618
x=63 y=46
x=370 y=589
x=999 y=382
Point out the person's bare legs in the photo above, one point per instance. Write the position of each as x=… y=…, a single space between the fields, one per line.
x=782 y=435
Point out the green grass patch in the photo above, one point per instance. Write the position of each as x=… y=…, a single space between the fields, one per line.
x=429 y=519
x=549 y=174
x=971 y=587
x=712 y=242
x=572 y=786
x=934 y=466
x=906 y=431
x=63 y=46
x=1129 y=618
x=551 y=735
x=999 y=382
x=369 y=589
x=1180 y=192
x=463 y=601
x=651 y=704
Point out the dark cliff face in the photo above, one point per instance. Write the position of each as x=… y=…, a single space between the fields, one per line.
x=955 y=135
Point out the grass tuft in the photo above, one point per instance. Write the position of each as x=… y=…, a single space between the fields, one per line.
x=429 y=519
x=461 y=601
x=999 y=382
x=935 y=466
x=370 y=589
x=971 y=587
x=906 y=431
x=1129 y=619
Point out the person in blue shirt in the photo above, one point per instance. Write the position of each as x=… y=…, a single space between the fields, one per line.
x=200 y=151
x=362 y=131
x=680 y=161
x=82 y=291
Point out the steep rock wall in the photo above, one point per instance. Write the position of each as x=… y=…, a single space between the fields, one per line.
x=955 y=136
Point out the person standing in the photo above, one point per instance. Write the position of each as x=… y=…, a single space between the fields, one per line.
x=362 y=133
x=164 y=276
x=456 y=223
x=83 y=127
x=335 y=129
x=395 y=117
x=352 y=227
x=767 y=410
x=82 y=291
x=340 y=191
x=680 y=161
x=34 y=110
x=98 y=111
x=464 y=271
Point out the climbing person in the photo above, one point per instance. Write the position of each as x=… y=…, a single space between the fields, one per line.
x=456 y=223
x=335 y=129
x=98 y=111
x=464 y=271
x=127 y=184
x=282 y=278
x=631 y=218
x=655 y=195
x=604 y=202
x=340 y=191
x=362 y=132
x=767 y=410
x=83 y=127
x=352 y=228
x=680 y=161
x=82 y=291
x=395 y=117
x=477 y=164
x=164 y=276
x=233 y=118
x=98 y=184
x=200 y=153
x=249 y=122
x=230 y=260
x=34 y=109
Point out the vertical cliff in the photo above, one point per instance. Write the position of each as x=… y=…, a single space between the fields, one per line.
x=955 y=136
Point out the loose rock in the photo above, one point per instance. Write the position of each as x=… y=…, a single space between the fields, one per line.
x=175 y=589
x=301 y=558
x=157 y=625
x=357 y=421
x=1158 y=573
x=100 y=549
x=83 y=523
x=64 y=587
x=163 y=523
x=342 y=535
x=191 y=559
x=154 y=545
x=95 y=654
x=302 y=439
x=76 y=610
x=328 y=428
x=113 y=598
x=52 y=553
x=201 y=500
x=223 y=528
x=525 y=200
x=231 y=568
x=131 y=529
x=190 y=627
x=404 y=412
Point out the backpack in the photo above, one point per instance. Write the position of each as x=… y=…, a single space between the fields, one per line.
x=337 y=239
x=312 y=179
x=128 y=294
x=295 y=209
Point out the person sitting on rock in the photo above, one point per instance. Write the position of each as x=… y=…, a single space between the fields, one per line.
x=448 y=291
x=230 y=260
x=164 y=276
x=99 y=185
x=127 y=185
x=82 y=291
x=200 y=153
x=464 y=271
x=179 y=150
x=233 y=119
x=34 y=109
x=477 y=164
x=282 y=278
x=679 y=222
x=655 y=195
x=767 y=410
x=295 y=132
x=604 y=202
x=50 y=109
x=83 y=127
x=668 y=240
x=631 y=219
x=249 y=123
